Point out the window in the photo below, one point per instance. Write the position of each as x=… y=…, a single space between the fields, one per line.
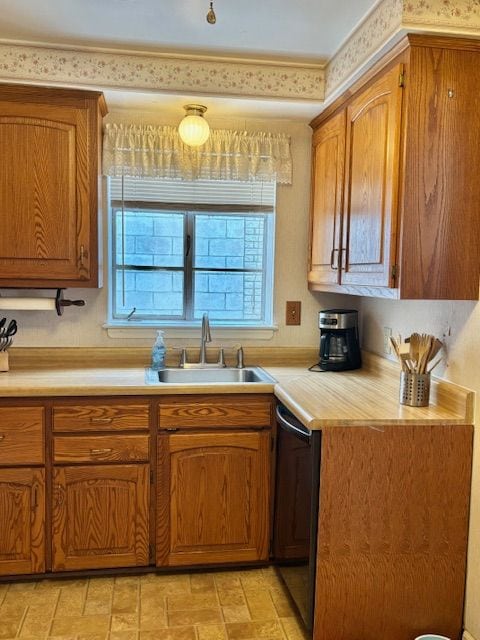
x=180 y=249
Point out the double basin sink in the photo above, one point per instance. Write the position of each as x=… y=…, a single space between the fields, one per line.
x=226 y=375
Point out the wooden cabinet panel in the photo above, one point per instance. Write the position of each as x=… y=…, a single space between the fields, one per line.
x=49 y=141
x=440 y=210
x=100 y=517
x=210 y=411
x=371 y=182
x=213 y=498
x=327 y=201
x=100 y=417
x=22 y=521
x=38 y=189
x=21 y=435
x=393 y=530
x=117 y=448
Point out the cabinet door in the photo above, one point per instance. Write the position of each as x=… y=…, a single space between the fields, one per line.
x=100 y=517
x=371 y=182
x=44 y=194
x=213 y=498
x=327 y=194
x=22 y=521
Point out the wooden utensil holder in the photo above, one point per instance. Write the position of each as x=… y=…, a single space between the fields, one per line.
x=4 y=361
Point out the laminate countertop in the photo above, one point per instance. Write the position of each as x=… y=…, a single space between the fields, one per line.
x=365 y=397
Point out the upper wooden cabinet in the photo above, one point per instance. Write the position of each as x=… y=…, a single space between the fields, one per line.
x=371 y=179
x=409 y=216
x=50 y=144
x=327 y=204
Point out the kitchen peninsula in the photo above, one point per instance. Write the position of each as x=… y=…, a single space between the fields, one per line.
x=394 y=485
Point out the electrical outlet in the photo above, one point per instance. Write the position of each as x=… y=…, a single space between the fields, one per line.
x=293 y=312
x=387 y=334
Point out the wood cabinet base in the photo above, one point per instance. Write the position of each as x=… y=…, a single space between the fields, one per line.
x=213 y=498
x=100 y=516
x=22 y=521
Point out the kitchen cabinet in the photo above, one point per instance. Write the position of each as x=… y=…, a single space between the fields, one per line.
x=50 y=142
x=409 y=222
x=327 y=199
x=371 y=182
x=213 y=483
x=22 y=521
x=101 y=485
x=22 y=490
x=100 y=516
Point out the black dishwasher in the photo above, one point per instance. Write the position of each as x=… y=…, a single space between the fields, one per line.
x=296 y=510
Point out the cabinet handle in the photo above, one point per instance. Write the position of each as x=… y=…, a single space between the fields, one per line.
x=82 y=254
x=332 y=255
x=101 y=420
x=35 y=497
x=100 y=452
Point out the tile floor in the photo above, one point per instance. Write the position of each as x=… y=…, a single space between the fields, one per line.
x=227 y=605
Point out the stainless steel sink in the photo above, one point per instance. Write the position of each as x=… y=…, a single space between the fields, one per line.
x=227 y=375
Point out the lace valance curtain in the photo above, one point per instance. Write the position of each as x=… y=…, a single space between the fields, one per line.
x=153 y=151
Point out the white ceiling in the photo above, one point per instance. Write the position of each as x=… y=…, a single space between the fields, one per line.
x=307 y=30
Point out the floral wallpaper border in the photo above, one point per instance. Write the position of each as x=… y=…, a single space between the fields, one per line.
x=241 y=78
x=371 y=34
x=391 y=18
x=134 y=71
x=451 y=13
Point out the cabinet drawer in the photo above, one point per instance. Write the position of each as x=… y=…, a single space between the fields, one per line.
x=101 y=449
x=100 y=417
x=232 y=412
x=21 y=435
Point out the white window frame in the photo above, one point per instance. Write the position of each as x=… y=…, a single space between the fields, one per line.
x=134 y=327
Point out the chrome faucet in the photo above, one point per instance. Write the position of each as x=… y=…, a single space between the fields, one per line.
x=206 y=337
x=202 y=363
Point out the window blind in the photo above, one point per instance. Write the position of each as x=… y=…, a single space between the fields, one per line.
x=226 y=192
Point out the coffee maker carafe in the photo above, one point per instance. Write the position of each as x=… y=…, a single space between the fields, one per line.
x=339 y=345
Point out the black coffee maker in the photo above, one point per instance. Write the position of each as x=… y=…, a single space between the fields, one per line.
x=339 y=345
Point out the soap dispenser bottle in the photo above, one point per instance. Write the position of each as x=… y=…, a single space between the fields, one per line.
x=158 y=352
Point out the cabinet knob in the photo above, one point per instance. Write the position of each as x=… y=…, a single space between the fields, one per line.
x=2 y=437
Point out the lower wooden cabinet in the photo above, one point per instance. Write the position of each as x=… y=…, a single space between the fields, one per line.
x=100 y=516
x=22 y=521
x=213 y=497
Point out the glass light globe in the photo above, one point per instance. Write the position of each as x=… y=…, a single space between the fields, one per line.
x=194 y=129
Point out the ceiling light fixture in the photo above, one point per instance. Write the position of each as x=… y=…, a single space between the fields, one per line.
x=194 y=129
x=211 y=17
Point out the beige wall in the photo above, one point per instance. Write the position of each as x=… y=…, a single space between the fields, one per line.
x=83 y=327
x=458 y=324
